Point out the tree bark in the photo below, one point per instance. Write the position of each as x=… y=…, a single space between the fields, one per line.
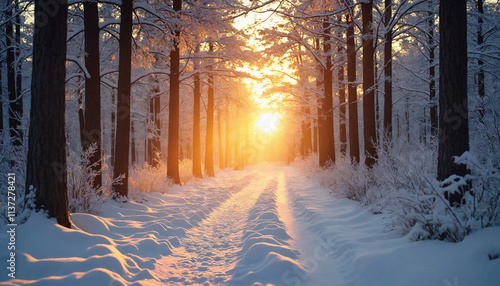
x=113 y=127
x=453 y=107
x=432 y=73
x=81 y=118
x=1 y=102
x=209 y=146
x=480 y=62
x=155 y=110
x=342 y=100
x=46 y=168
x=19 y=77
x=325 y=113
x=219 y=142
x=196 y=127
x=132 y=142
x=123 y=103
x=388 y=70
x=306 y=132
x=227 y=156
x=173 y=115
x=369 y=126
x=92 y=131
x=351 y=90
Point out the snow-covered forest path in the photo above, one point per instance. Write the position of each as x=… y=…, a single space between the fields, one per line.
x=209 y=250
x=265 y=225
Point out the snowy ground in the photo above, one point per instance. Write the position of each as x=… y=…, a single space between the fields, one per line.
x=266 y=225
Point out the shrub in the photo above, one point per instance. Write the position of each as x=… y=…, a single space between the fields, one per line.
x=82 y=196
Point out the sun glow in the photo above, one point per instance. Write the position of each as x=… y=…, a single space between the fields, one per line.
x=268 y=122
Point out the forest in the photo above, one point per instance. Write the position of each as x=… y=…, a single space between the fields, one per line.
x=129 y=114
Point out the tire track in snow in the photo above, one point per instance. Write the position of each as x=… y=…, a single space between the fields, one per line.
x=208 y=251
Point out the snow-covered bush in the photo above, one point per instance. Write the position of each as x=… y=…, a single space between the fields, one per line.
x=82 y=196
x=147 y=178
x=13 y=160
x=403 y=185
x=186 y=170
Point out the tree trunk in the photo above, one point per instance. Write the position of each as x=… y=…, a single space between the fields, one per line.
x=113 y=127
x=173 y=115
x=369 y=127
x=15 y=104
x=196 y=127
x=315 y=138
x=151 y=119
x=453 y=107
x=432 y=73
x=227 y=162
x=388 y=71
x=92 y=133
x=46 y=169
x=306 y=133
x=123 y=104
x=156 y=142
x=19 y=76
x=132 y=142
x=219 y=141
x=1 y=102
x=209 y=146
x=342 y=100
x=81 y=117
x=351 y=90
x=480 y=63
x=325 y=113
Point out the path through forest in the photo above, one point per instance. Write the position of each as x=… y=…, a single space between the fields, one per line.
x=265 y=225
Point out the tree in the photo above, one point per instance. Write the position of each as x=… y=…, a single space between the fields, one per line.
x=219 y=141
x=453 y=108
x=92 y=117
x=173 y=115
x=196 y=125
x=480 y=62
x=342 y=99
x=209 y=146
x=19 y=86
x=388 y=70
x=369 y=127
x=46 y=169
x=122 y=148
x=351 y=90
x=15 y=104
x=325 y=112
x=432 y=71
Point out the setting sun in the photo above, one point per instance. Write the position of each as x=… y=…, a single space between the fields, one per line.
x=268 y=122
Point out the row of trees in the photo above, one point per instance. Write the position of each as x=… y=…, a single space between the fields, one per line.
x=117 y=56
x=112 y=79
x=385 y=57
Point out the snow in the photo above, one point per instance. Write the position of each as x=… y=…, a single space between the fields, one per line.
x=266 y=225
